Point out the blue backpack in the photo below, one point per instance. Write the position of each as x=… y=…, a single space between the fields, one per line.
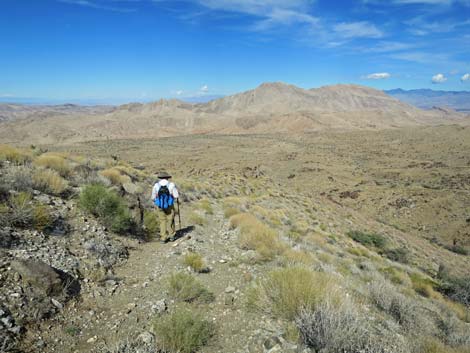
x=164 y=198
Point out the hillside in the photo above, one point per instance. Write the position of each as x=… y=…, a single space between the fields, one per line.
x=427 y=98
x=352 y=241
x=273 y=107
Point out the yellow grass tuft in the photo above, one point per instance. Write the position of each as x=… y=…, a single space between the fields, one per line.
x=13 y=155
x=115 y=176
x=195 y=261
x=55 y=162
x=284 y=292
x=255 y=235
x=49 y=181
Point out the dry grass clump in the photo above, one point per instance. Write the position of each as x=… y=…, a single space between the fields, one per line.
x=291 y=257
x=196 y=218
x=186 y=288
x=285 y=292
x=423 y=286
x=49 y=181
x=255 y=235
x=151 y=224
x=432 y=345
x=395 y=275
x=14 y=155
x=19 y=178
x=195 y=261
x=115 y=176
x=55 y=162
x=205 y=205
x=183 y=331
x=230 y=211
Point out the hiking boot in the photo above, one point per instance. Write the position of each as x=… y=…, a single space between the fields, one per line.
x=164 y=241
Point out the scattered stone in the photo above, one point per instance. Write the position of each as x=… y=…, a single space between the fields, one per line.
x=159 y=307
x=146 y=337
x=39 y=275
x=92 y=339
x=230 y=289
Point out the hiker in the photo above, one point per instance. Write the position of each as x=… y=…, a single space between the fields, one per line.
x=164 y=195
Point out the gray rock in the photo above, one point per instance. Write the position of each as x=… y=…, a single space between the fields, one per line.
x=39 y=275
x=159 y=307
x=146 y=337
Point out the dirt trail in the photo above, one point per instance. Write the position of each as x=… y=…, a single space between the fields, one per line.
x=124 y=306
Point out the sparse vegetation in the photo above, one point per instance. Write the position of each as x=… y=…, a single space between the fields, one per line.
x=151 y=224
x=254 y=235
x=55 y=162
x=368 y=239
x=183 y=331
x=107 y=206
x=13 y=155
x=286 y=291
x=186 y=288
x=115 y=176
x=195 y=261
x=49 y=181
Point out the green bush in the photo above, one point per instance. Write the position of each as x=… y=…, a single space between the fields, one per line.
x=184 y=287
x=457 y=289
x=368 y=239
x=151 y=224
x=108 y=206
x=399 y=255
x=183 y=331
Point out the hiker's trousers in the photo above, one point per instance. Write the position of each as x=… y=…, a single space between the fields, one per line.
x=167 y=222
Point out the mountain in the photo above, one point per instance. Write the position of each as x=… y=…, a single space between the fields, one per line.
x=10 y=112
x=427 y=98
x=271 y=107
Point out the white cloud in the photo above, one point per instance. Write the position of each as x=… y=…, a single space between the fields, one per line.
x=465 y=77
x=179 y=92
x=439 y=78
x=378 y=76
x=361 y=29
x=256 y=7
x=95 y=4
x=204 y=89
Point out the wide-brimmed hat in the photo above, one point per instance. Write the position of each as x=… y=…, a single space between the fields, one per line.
x=164 y=175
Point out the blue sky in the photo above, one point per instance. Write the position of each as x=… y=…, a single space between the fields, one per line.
x=119 y=50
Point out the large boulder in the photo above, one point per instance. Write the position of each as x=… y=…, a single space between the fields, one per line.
x=39 y=275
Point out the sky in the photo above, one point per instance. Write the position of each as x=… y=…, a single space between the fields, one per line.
x=123 y=50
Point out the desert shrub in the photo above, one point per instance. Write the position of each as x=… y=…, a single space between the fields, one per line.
x=432 y=345
x=292 y=257
x=337 y=328
x=230 y=211
x=49 y=181
x=456 y=288
x=205 y=205
x=42 y=218
x=107 y=206
x=284 y=292
x=387 y=298
x=458 y=249
x=395 y=275
x=13 y=155
x=368 y=239
x=115 y=176
x=184 y=287
x=196 y=218
x=21 y=210
x=195 y=261
x=183 y=331
x=255 y=235
x=422 y=285
x=398 y=254
x=358 y=252
x=151 y=224
x=19 y=178
x=55 y=162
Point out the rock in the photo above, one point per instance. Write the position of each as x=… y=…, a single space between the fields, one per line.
x=57 y=304
x=146 y=337
x=92 y=339
x=230 y=289
x=39 y=275
x=159 y=307
x=229 y=299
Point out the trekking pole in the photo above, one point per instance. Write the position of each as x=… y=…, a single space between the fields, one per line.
x=179 y=213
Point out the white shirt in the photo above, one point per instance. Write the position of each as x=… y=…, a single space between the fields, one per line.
x=171 y=188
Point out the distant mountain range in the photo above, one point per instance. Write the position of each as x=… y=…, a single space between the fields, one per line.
x=270 y=108
x=428 y=98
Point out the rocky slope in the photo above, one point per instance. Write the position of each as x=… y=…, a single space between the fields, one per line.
x=272 y=107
